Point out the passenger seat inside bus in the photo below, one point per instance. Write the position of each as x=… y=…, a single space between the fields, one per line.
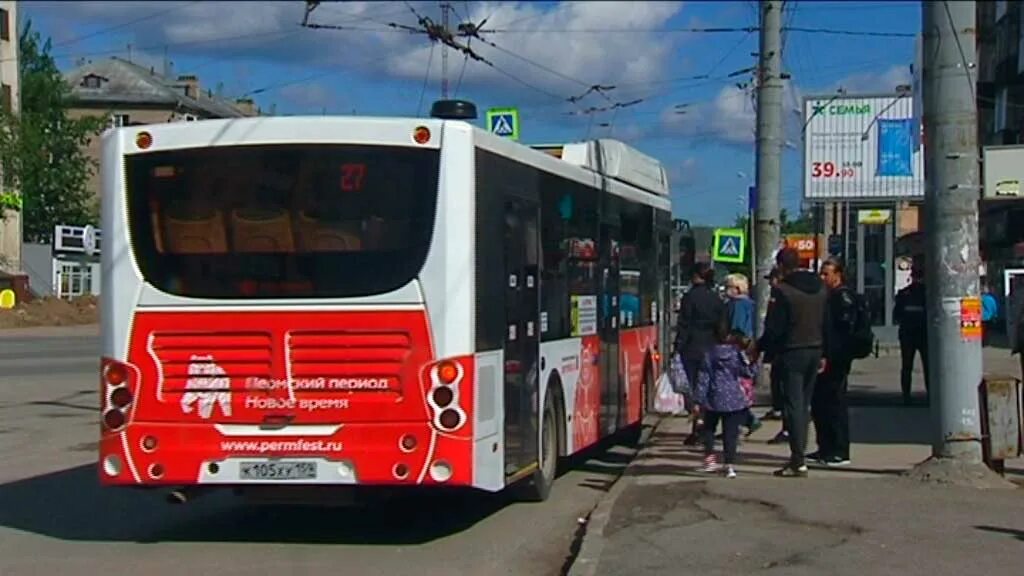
x=195 y=234
x=261 y=230
x=319 y=235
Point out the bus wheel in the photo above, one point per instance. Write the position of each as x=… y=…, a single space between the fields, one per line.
x=539 y=485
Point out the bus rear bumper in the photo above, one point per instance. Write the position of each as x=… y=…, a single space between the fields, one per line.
x=366 y=454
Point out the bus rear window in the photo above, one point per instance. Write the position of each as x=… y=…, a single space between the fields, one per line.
x=281 y=221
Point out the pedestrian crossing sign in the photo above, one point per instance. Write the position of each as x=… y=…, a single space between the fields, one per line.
x=730 y=245
x=504 y=122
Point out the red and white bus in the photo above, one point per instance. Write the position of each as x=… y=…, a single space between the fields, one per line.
x=300 y=301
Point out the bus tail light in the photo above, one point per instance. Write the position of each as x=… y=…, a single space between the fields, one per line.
x=421 y=135
x=445 y=380
x=113 y=419
x=442 y=396
x=447 y=372
x=143 y=140
x=119 y=383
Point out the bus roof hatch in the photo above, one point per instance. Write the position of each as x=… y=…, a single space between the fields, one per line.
x=620 y=162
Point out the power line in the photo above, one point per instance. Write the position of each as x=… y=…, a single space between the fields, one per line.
x=620 y=30
x=458 y=85
x=110 y=29
x=426 y=78
x=436 y=33
x=866 y=33
x=331 y=72
x=591 y=88
x=963 y=57
x=726 y=30
x=164 y=45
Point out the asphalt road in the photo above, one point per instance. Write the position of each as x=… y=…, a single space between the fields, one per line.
x=55 y=518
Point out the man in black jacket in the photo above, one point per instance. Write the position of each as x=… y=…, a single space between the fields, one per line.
x=829 y=408
x=795 y=333
x=910 y=314
x=701 y=311
x=773 y=278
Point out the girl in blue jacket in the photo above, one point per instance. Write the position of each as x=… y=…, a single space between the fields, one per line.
x=720 y=395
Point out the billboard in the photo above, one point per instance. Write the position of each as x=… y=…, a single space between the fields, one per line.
x=862 y=148
x=1003 y=172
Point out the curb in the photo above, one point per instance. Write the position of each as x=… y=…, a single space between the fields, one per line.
x=51 y=331
x=585 y=563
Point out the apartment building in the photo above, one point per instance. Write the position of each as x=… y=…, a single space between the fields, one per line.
x=10 y=220
x=134 y=95
x=1000 y=44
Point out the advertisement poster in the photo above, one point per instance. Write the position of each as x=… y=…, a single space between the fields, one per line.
x=584 y=315
x=970 y=319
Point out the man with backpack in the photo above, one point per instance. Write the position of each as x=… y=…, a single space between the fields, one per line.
x=849 y=337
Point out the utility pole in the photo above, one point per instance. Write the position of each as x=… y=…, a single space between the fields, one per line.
x=445 y=7
x=769 y=149
x=951 y=227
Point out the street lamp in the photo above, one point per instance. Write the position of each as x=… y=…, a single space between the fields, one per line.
x=901 y=91
x=839 y=92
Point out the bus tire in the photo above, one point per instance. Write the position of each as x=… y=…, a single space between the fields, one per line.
x=538 y=486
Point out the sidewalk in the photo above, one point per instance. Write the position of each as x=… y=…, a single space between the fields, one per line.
x=663 y=517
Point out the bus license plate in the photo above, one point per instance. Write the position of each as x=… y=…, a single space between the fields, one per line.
x=278 y=470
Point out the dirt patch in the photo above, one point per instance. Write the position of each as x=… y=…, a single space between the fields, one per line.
x=52 y=312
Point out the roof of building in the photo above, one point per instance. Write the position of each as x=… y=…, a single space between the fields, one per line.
x=123 y=82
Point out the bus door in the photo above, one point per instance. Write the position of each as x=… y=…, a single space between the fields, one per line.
x=612 y=393
x=522 y=334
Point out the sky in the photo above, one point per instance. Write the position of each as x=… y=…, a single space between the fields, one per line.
x=670 y=87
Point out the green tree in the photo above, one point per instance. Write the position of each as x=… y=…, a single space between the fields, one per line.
x=44 y=150
x=804 y=224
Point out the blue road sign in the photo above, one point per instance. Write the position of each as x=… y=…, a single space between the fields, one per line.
x=729 y=245
x=504 y=122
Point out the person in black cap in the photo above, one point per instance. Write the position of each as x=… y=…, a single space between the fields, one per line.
x=795 y=333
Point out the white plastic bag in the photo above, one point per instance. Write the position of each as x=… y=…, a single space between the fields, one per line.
x=668 y=401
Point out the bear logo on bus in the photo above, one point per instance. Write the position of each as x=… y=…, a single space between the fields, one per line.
x=208 y=385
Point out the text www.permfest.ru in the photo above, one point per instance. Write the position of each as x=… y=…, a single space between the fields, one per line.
x=263 y=446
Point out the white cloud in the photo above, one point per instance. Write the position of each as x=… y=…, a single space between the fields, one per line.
x=573 y=60
x=729 y=117
x=874 y=83
x=684 y=173
x=533 y=37
x=309 y=96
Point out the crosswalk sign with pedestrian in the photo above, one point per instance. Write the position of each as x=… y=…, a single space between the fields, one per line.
x=504 y=122
x=730 y=245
